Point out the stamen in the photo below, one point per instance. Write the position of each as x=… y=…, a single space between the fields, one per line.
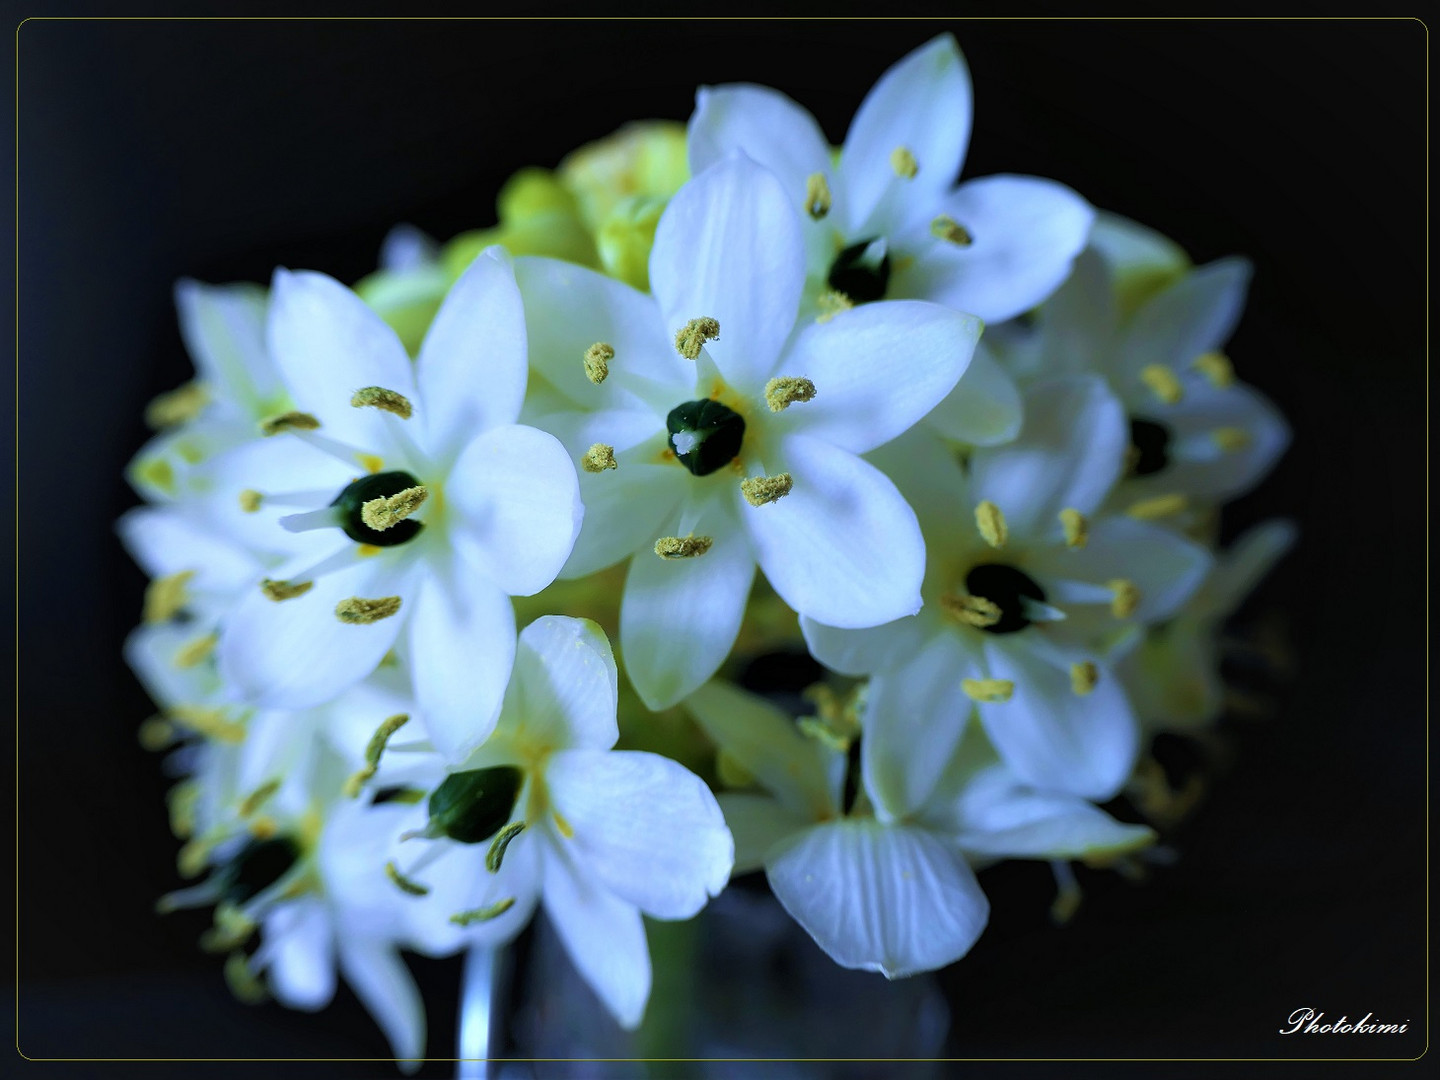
x=1083 y=677
x=565 y=828
x=1162 y=383
x=359 y=611
x=483 y=914
x=1039 y=611
x=691 y=337
x=731 y=773
x=991 y=523
x=327 y=517
x=159 y=473
x=258 y=797
x=263 y=828
x=597 y=361
x=178 y=406
x=599 y=458
x=180 y=802
x=156 y=733
x=1125 y=597
x=248 y=989
x=405 y=884
x=831 y=303
x=1158 y=507
x=496 y=855
x=1216 y=367
x=208 y=722
x=814 y=728
x=1231 y=439
x=377 y=397
x=1068 y=896
x=973 y=610
x=381 y=514
x=682 y=547
x=817 y=196
x=992 y=691
x=195 y=652
x=904 y=163
x=782 y=392
x=1077 y=529
x=194 y=855
x=250 y=500
x=948 y=229
x=373 y=750
x=759 y=490
x=284 y=590
x=165 y=596
x=290 y=421
x=231 y=930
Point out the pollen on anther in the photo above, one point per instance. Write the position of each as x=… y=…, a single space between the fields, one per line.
x=360 y=611
x=284 y=590
x=1230 y=439
x=165 y=596
x=258 y=797
x=1158 y=507
x=1083 y=677
x=948 y=229
x=831 y=303
x=973 y=610
x=290 y=421
x=990 y=691
x=178 y=406
x=384 y=513
x=599 y=458
x=250 y=500
x=1162 y=382
x=195 y=652
x=212 y=723
x=691 y=337
x=759 y=490
x=682 y=547
x=817 y=196
x=403 y=883
x=1216 y=367
x=377 y=397
x=483 y=914
x=1125 y=597
x=373 y=751
x=597 y=362
x=991 y=523
x=784 y=391
x=904 y=163
x=1077 y=528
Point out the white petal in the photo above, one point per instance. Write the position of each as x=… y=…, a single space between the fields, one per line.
x=1248 y=559
x=863 y=651
x=878 y=370
x=171 y=541
x=880 y=898
x=327 y=343
x=729 y=247
x=923 y=103
x=800 y=771
x=406 y=248
x=1025 y=233
x=625 y=508
x=516 y=491
x=1193 y=316
x=462 y=644
x=224 y=331
x=1050 y=736
x=472 y=364
x=646 y=827
x=565 y=688
x=301 y=948
x=1197 y=465
x=843 y=547
x=758 y=823
x=1067 y=456
x=383 y=984
x=984 y=409
x=679 y=617
x=604 y=936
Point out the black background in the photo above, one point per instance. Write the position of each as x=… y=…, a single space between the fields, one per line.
x=152 y=150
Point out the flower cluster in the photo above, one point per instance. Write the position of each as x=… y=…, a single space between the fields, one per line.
x=685 y=357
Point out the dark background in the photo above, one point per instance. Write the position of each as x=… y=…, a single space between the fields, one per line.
x=152 y=150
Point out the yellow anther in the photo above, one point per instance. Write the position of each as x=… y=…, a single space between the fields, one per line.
x=377 y=397
x=566 y=829
x=1125 y=597
x=248 y=989
x=158 y=473
x=483 y=914
x=1077 y=529
x=284 y=590
x=263 y=828
x=682 y=547
x=904 y=163
x=496 y=855
x=210 y=722
x=1162 y=383
x=817 y=196
x=691 y=337
x=992 y=691
x=814 y=728
x=371 y=463
x=258 y=797
x=368 y=551
x=991 y=523
x=831 y=303
x=948 y=229
x=156 y=733
x=165 y=596
x=231 y=930
x=179 y=406
x=359 y=611
x=1083 y=677
x=973 y=610
x=1066 y=904
x=193 y=857
x=250 y=500
x=1158 y=507
x=730 y=772
x=290 y=421
x=373 y=751
x=784 y=391
x=597 y=362
x=1231 y=439
x=599 y=458
x=181 y=801
x=405 y=884
x=386 y=513
x=195 y=652
x=1216 y=367
x=759 y=490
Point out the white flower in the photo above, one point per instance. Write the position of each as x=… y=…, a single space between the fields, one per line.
x=433 y=507
x=595 y=835
x=884 y=884
x=765 y=424
x=1025 y=590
